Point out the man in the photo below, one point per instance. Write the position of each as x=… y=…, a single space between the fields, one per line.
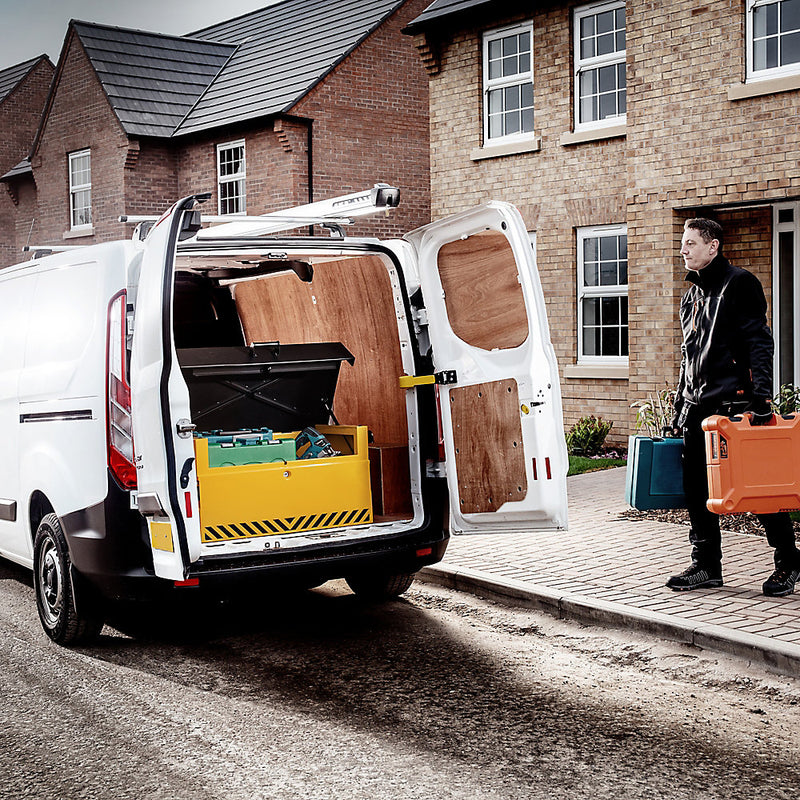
x=726 y=365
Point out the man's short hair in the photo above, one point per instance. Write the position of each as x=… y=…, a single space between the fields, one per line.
x=708 y=228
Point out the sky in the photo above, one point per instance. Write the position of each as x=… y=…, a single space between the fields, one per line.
x=29 y=28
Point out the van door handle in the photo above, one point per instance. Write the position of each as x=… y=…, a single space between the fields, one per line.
x=187 y=468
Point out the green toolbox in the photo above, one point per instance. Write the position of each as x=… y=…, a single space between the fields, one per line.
x=240 y=449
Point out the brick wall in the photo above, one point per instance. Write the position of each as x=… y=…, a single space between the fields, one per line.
x=557 y=189
x=20 y=113
x=79 y=117
x=689 y=150
x=371 y=125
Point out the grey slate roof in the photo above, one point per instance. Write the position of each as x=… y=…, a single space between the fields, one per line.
x=11 y=76
x=152 y=80
x=437 y=11
x=255 y=65
x=283 y=51
x=23 y=168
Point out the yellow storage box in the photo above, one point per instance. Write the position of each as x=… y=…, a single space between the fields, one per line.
x=252 y=500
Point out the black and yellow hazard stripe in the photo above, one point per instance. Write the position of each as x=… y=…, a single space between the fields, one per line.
x=271 y=527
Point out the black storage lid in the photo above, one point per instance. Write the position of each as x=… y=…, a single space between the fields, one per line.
x=284 y=387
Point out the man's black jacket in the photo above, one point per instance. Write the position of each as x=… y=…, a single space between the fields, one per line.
x=727 y=346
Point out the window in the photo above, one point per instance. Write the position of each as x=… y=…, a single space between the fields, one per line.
x=773 y=38
x=603 y=295
x=508 y=83
x=600 y=82
x=231 y=177
x=80 y=189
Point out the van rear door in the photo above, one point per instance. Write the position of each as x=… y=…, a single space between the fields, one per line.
x=497 y=374
x=162 y=438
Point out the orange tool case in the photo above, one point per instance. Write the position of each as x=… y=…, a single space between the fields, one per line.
x=753 y=467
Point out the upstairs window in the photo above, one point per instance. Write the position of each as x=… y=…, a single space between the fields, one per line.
x=80 y=189
x=508 y=83
x=773 y=38
x=603 y=295
x=231 y=178
x=600 y=81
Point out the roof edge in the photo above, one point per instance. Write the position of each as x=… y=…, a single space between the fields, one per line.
x=34 y=62
x=428 y=20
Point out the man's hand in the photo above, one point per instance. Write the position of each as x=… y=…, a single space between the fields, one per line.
x=760 y=412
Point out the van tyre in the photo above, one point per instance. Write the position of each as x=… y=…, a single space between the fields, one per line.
x=380 y=587
x=55 y=594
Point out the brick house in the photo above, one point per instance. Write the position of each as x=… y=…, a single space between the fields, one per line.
x=609 y=124
x=292 y=103
x=23 y=91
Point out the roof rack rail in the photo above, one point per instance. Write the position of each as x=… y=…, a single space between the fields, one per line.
x=333 y=214
x=42 y=250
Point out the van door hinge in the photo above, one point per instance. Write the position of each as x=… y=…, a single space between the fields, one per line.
x=442 y=378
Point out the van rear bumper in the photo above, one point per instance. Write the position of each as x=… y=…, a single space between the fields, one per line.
x=109 y=548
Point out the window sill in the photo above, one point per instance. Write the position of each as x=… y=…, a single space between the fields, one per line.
x=741 y=91
x=507 y=149
x=77 y=233
x=608 y=371
x=595 y=135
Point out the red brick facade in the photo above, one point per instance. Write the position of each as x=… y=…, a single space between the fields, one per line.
x=367 y=121
x=694 y=143
x=20 y=113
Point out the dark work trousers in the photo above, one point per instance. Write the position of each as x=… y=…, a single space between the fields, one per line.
x=704 y=534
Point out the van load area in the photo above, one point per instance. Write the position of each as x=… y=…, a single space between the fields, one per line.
x=271 y=349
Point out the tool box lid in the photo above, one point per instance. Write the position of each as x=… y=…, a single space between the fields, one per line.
x=282 y=386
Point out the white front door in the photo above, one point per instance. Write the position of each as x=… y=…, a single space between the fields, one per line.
x=500 y=396
x=786 y=293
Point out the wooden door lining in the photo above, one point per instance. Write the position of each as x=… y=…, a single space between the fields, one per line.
x=349 y=301
x=484 y=299
x=487 y=434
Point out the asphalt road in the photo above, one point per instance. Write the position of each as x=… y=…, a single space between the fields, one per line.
x=439 y=695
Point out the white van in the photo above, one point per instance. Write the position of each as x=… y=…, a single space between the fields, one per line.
x=210 y=405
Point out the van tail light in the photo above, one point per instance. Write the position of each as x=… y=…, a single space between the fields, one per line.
x=119 y=425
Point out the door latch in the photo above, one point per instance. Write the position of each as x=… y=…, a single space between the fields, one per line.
x=185 y=428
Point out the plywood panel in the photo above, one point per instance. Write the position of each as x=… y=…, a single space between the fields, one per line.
x=490 y=458
x=484 y=300
x=349 y=301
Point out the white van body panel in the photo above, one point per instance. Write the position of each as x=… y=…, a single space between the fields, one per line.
x=57 y=420
x=532 y=365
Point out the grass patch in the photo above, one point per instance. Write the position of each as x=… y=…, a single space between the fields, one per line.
x=580 y=464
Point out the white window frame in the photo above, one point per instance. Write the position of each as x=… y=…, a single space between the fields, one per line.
x=241 y=175
x=585 y=292
x=75 y=188
x=753 y=75
x=793 y=302
x=517 y=79
x=582 y=65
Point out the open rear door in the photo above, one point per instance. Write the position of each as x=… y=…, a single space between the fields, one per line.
x=499 y=390
x=162 y=437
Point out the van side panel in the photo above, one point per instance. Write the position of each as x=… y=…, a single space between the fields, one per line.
x=62 y=384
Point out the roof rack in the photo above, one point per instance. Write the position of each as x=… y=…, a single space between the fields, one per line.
x=334 y=214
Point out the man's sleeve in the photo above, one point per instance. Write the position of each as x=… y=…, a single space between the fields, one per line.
x=751 y=309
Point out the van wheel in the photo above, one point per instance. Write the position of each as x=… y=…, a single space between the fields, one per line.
x=380 y=586
x=55 y=598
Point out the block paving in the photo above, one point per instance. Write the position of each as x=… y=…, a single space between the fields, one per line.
x=615 y=565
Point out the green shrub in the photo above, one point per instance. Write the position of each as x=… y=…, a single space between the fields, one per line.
x=586 y=436
x=787 y=400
